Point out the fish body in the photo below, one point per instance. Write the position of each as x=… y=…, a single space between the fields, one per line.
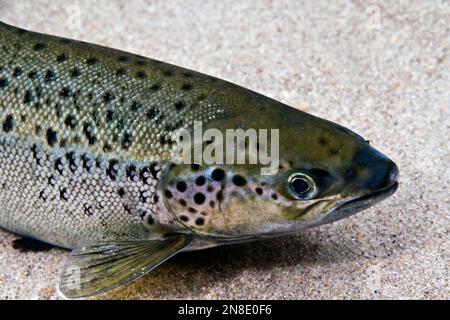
x=87 y=160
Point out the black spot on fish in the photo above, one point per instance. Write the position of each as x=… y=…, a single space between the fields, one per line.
x=135 y=106
x=49 y=76
x=51 y=180
x=199 y=221
x=61 y=58
x=182 y=202
x=274 y=196
x=163 y=140
x=65 y=92
x=259 y=191
x=152 y=113
x=58 y=110
x=150 y=220
x=76 y=139
x=8 y=124
x=322 y=141
x=59 y=165
x=127 y=140
x=186 y=86
x=141 y=75
x=192 y=210
x=181 y=186
x=180 y=105
x=27 y=98
x=51 y=136
x=37 y=155
x=218 y=174
x=199 y=198
x=64 y=194
x=239 y=181
x=63 y=143
x=155 y=87
x=39 y=46
x=212 y=204
x=154 y=169
x=108 y=97
x=121 y=72
x=32 y=75
x=168 y=194
x=144 y=174
x=131 y=172
x=113 y=169
x=92 y=140
x=88 y=131
x=200 y=181
x=74 y=72
x=70 y=121
x=109 y=115
x=72 y=159
x=184 y=218
x=86 y=162
x=121 y=192
x=88 y=209
x=17 y=72
x=3 y=82
x=91 y=61
x=143 y=196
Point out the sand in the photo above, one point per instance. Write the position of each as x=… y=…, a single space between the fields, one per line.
x=382 y=70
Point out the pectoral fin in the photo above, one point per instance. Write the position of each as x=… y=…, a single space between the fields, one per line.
x=104 y=266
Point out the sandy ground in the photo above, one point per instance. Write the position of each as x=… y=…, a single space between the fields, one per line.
x=381 y=69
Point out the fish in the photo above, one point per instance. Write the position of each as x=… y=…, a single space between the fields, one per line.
x=89 y=161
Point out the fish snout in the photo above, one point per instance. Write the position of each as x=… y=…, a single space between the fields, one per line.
x=383 y=175
x=392 y=174
x=380 y=171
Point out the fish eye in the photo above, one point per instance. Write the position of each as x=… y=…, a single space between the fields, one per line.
x=302 y=186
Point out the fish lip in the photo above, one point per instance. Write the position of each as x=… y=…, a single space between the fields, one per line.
x=360 y=203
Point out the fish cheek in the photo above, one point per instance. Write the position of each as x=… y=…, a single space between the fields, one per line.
x=193 y=201
x=252 y=217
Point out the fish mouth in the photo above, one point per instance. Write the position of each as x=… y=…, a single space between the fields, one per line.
x=360 y=203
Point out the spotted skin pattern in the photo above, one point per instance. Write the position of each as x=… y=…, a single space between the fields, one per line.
x=85 y=136
x=86 y=141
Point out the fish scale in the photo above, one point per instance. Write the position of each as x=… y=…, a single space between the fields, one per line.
x=88 y=143
x=111 y=109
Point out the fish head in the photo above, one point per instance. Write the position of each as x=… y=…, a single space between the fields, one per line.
x=324 y=172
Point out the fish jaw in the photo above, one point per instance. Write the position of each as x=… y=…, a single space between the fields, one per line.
x=358 y=204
